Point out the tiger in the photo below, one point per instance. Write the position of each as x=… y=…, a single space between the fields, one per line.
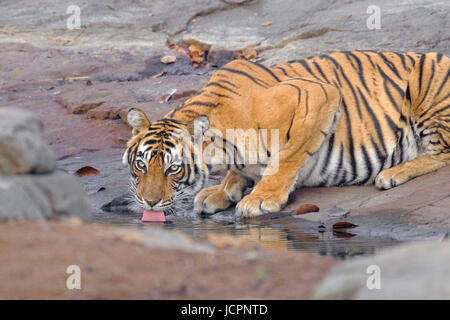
x=343 y=118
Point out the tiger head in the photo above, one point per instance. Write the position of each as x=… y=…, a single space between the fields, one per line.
x=166 y=173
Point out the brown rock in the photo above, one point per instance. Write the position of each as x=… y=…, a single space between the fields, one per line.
x=168 y=59
x=343 y=225
x=306 y=208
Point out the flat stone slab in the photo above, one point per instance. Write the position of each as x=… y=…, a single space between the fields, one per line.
x=23 y=148
x=411 y=271
x=44 y=196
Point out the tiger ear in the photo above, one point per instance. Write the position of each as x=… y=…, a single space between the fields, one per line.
x=198 y=126
x=137 y=120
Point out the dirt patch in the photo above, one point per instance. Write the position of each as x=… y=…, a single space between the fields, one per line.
x=33 y=266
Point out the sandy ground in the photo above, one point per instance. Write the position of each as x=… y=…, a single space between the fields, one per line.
x=121 y=266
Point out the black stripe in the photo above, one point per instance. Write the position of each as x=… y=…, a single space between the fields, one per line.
x=443 y=83
x=327 y=158
x=368 y=165
x=421 y=63
x=429 y=83
x=245 y=75
x=381 y=156
x=292 y=68
x=282 y=70
x=306 y=66
x=360 y=71
x=402 y=58
x=358 y=107
x=200 y=103
x=265 y=69
x=299 y=92
x=388 y=92
x=220 y=95
x=392 y=125
x=375 y=121
x=389 y=64
x=350 y=143
x=320 y=71
x=216 y=84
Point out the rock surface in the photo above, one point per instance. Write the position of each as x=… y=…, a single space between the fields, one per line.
x=296 y=28
x=118 y=263
x=23 y=148
x=44 y=196
x=412 y=271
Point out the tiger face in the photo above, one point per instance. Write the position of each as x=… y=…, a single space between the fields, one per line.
x=165 y=173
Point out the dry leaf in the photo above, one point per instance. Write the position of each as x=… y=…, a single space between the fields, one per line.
x=343 y=225
x=195 y=47
x=87 y=171
x=89 y=83
x=266 y=24
x=196 y=54
x=306 y=208
x=168 y=59
x=249 y=53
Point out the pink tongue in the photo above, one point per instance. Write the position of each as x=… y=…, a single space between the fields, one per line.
x=153 y=216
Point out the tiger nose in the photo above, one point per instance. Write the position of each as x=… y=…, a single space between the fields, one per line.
x=152 y=202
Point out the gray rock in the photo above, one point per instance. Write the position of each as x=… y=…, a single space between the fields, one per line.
x=410 y=271
x=23 y=148
x=42 y=196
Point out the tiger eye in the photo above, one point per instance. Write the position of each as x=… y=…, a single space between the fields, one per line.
x=140 y=164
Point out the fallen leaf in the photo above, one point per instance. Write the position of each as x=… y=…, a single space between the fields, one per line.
x=168 y=59
x=195 y=47
x=306 y=208
x=196 y=55
x=89 y=83
x=249 y=53
x=343 y=225
x=266 y=24
x=87 y=171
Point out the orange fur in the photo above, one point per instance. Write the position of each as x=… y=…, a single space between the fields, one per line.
x=343 y=118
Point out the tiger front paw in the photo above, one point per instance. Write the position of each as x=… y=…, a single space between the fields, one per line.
x=254 y=205
x=390 y=178
x=211 y=200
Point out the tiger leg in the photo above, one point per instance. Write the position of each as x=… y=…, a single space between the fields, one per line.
x=427 y=103
x=220 y=197
x=408 y=170
x=314 y=120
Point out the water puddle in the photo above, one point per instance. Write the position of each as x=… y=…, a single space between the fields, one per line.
x=278 y=232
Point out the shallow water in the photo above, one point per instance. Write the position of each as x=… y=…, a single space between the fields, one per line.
x=278 y=232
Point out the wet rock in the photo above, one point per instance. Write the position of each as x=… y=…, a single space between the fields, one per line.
x=411 y=271
x=43 y=196
x=23 y=148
